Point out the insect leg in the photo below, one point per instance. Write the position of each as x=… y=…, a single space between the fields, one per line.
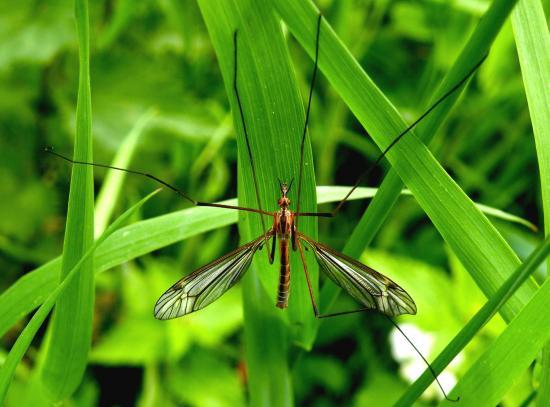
x=309 y=287
x=273 y=245
x=335 y=314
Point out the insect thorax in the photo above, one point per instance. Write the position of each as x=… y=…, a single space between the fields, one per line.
x=284 y=220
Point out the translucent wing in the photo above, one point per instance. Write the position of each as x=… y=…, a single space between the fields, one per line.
x=367 y=286
x=206 y=284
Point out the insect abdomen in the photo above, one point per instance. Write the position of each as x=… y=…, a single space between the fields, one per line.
x=284 y=276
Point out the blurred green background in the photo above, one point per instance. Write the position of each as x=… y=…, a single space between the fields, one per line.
x=155 y=77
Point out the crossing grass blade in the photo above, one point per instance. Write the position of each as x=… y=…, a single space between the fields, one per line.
x=510 y=355
x=533 y=44
x=481 y=318
x=476 y=242
x=375 y=215
x=71 y=327
x=25 y=338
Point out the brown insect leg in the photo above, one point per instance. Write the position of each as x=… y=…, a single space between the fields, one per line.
x=310 y=288
x=273 y=245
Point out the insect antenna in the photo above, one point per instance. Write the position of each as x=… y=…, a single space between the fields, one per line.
x=51 y=151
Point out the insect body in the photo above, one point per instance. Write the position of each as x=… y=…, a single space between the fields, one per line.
x=283 y=227
x=200 y=288
x=372 y=289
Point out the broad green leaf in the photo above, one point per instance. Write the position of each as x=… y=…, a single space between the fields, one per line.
x=25 y=338
x=533 y=44
x=71 y=328
x=39 y=38
x=213 y=382
x=274 y=117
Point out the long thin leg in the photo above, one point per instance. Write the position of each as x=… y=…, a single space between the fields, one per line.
x=304 y=133
x=150 y=176
x=309 y=287
x=335 y=211
x=251 y=158
x=273 y=245
x=335 y=314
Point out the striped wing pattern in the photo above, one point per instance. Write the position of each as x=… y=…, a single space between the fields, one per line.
x=206 y=284
x=366 y=285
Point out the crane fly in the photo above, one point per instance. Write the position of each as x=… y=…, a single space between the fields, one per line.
x=205 y=285
x=371 y=289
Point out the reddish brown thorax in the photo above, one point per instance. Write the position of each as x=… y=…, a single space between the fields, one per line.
x=284 y=218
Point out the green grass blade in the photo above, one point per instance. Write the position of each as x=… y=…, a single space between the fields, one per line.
x=25 y=338
x=468 y=232
x=71 y=327
x=379 y=209
x=477 y=46
x=497 y=213
x=473 y=326
x=513 y=351
x=107 y=198
x=136 y=240
x=270 y=381
x=336 y=193
x=533 y=45
x=274 y=116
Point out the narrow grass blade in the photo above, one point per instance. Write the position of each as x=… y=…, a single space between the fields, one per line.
x=503 y=294
x=71 y=327
x=267 y=341
x=478 y=45
x=506 y=360
x=468 y=232
x=133 y=241
x=110 y=191
x=25 y=338
x=533 y=44
x=336 y=193
x=497 y=213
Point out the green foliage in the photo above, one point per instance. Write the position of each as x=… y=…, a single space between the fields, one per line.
x=162 y=102
x=27 y=335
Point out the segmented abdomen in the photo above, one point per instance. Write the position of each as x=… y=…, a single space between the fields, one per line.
x=284 y=276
